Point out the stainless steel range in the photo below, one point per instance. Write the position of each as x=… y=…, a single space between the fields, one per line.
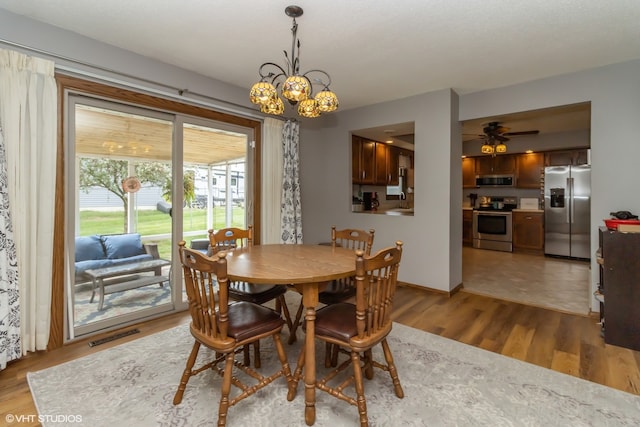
x=492 y=223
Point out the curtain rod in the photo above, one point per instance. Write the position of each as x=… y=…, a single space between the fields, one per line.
x=180 y=92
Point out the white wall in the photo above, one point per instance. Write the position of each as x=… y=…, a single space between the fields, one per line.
x=432 y=237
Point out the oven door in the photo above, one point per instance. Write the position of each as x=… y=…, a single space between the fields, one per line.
x=492 y=230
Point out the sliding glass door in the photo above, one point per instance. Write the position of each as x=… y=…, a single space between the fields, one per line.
x=138 y=181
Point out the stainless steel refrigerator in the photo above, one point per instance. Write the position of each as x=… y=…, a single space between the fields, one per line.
x=567 y=211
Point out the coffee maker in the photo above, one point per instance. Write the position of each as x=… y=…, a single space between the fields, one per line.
x=370 y=200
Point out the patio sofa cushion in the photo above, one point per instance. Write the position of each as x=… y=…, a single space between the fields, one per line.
x=122 y=245
x=99 y=251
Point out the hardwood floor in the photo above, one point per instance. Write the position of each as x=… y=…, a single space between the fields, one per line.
x=556 y=340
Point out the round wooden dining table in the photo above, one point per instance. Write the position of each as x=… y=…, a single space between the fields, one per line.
x=308 y=267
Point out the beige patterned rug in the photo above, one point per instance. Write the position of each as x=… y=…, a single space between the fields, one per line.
x=446 y=383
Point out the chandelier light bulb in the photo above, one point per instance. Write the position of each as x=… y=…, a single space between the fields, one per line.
x=273 y=106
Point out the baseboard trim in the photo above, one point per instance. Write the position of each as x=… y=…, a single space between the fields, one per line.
x=432 y=290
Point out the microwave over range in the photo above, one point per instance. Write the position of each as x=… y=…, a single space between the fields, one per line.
x=495 y=180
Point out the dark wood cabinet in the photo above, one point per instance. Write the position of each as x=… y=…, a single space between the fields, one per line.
x=496 y=165
x=467 y=227
x=528 y=231
x=393 y=165
x=567 y=157
x=619 y=263
x=468 y=172
x=363 y=161
x=529 y=170
x=382 y=177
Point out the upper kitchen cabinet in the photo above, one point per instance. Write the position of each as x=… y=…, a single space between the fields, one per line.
x=468 y=172
x=567 y=157
x=363 y=161
x=529 y=168
x=496 y=165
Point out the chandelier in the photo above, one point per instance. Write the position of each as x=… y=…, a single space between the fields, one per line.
x=294 y=87
x=490 y=146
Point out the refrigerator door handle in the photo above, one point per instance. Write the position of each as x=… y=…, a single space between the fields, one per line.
x=571 y=201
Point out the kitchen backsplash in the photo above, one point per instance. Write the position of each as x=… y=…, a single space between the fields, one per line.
x=499 y=192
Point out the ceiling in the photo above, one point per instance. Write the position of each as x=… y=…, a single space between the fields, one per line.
x=374 y=50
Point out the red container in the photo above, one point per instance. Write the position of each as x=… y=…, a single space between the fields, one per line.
x=612 y=224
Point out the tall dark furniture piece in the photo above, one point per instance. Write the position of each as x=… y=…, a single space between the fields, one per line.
x=619 y=263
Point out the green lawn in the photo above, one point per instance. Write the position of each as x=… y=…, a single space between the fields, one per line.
x=152 y=222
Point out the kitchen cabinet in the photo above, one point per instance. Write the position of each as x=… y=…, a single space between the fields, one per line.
x=528 y=231
x=467 y=227
x=468 y=172
x=393 y=165
x=496 y=165
x=382 y=177
x=529 y=170
x=363 y=161
x=567 y=157
x=619 y=264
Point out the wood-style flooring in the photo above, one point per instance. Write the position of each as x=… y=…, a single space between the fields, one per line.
x=552 y=339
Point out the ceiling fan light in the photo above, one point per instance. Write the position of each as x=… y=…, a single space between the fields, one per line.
x=308 y=108
x=273 y=106
x=487 y=149
x=327 y=101
x=501 y=148
x=296 y=88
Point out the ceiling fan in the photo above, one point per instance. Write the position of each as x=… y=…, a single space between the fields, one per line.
x=495 y=135
x=495 y=131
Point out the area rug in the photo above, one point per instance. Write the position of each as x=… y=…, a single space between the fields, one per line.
x=446 y=383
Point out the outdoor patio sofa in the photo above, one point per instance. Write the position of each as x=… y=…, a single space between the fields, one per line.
x=99 y=251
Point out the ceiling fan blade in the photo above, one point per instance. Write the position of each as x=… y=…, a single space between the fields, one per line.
x=501 y=138
x=526 y=132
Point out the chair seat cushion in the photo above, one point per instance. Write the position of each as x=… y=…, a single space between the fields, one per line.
x=247 y=320
x=337 y=321
x=337 y=291
x=258 y=294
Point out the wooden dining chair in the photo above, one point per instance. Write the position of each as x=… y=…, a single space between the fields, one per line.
x=226 y=329
x=339 y=290
x=357 y=328
x=228 y=239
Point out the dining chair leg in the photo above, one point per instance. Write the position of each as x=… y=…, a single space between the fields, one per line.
x=327 y=354
x=296 y=323
x=246 y=357
x=187 y=373
x=368 y=364
x=360 y=399
x=295 y=378
x=225 y=390
x=256 y=354
x=392 y=369
x=282 y=355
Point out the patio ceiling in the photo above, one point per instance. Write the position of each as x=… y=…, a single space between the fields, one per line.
x=107 y=133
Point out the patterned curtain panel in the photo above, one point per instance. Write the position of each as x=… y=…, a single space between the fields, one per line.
x=9 y=293
x=291 y=211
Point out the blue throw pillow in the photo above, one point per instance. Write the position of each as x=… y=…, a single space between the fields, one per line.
x=123 y=245
x=89 y=248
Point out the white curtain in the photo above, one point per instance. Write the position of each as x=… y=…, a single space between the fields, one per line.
x=291 y=212
x=272 y=166
x=28 y=118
